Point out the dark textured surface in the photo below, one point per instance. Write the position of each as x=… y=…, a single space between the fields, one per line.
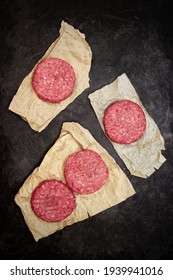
x=135 y=37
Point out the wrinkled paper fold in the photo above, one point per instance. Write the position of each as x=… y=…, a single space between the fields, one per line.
x=70 y=46
x=144 y=156
x=73 y=138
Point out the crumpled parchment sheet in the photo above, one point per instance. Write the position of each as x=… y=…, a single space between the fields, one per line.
x=70 y=46
x=142 y=157
x=73 y=138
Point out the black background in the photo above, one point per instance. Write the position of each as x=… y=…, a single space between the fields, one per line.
x=135 y=37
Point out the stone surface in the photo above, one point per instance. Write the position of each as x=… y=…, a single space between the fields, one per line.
x=125 y=36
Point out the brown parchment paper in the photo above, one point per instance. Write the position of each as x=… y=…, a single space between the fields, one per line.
x=70 y=46
x=143 y=157
x=73 y=138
